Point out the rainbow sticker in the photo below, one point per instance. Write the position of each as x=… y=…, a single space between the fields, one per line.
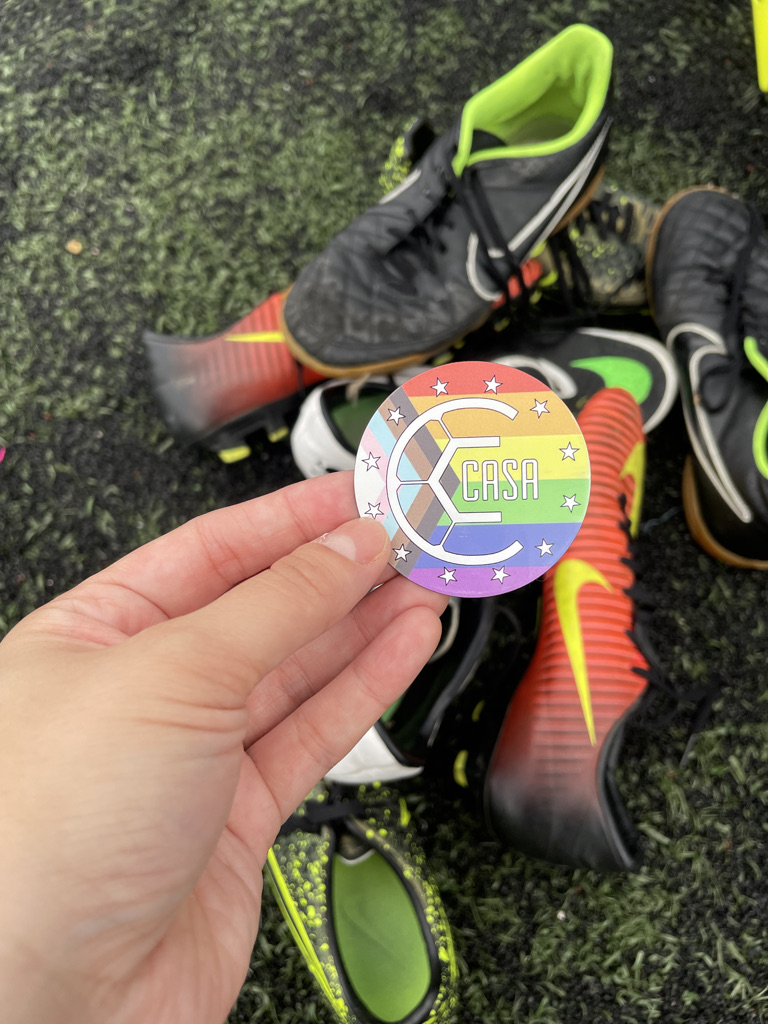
x=480 y=475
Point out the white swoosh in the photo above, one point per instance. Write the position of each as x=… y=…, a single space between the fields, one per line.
x=404 y=184
x=549 y=214
x=561 y=382
x=710 y=459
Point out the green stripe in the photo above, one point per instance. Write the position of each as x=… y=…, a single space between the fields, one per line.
x=545 y=509
x=760 y=433
x=620 y=372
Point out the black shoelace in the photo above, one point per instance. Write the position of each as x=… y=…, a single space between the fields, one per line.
x=322 y=812
x=426 y=239
x=578 y=298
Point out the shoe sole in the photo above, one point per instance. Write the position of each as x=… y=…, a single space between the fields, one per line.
x=701 y=532
x=390 y=365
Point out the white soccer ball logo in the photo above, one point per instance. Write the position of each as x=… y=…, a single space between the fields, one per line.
x=394 y=483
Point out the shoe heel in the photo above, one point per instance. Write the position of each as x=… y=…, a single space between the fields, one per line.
x=700 y=531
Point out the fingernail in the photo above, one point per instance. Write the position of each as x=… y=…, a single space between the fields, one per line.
x=360 y=540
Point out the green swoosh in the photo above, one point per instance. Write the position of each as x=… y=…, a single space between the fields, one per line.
x=760 y=433
x=620 y=372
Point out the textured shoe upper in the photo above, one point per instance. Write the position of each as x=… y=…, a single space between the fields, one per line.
x=208 y=385
x=550 y=789
x=427 y=262
x=352 y=881
x=709 y=286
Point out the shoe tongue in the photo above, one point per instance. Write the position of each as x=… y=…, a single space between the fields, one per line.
x=485 y=140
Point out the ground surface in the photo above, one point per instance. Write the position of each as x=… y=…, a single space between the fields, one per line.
x=201 y=153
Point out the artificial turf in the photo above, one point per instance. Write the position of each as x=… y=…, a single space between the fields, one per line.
x=169 y=164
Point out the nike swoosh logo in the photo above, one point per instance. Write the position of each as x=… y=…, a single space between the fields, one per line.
x=571 y=574
x=697 y=421
x=760 y=432
x=620 y=372
x=404 y=185
x=635 y=467
x=256 y=336
x=665 y=367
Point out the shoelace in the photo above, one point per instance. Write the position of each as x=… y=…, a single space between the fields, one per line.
x=604 y=214
x=421 y=245
x=321 y=812
x=663 y=701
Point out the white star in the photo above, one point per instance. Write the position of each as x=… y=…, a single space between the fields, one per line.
x=401 y=552
x=570 y=502
x=539 y=407
x=395 y=415
x=569 y=452
x=373 y=511
x=500 y=575
x=492 y=384
x=372 y=462
x=544 y=547
x=449 y=575
x=440 y=387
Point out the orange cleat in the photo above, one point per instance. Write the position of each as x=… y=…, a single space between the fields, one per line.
x=215 y=391
x=550 y=790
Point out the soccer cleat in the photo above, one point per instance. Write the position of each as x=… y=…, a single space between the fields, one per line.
x=549 y=788
x=397 y=746
x=215 y=391
x=353 y=885
x=333 y=418
x=575 y=364
x=708 y=284
x=406 y=150
x=428 y=263
x=597 y=262
x=578 y=363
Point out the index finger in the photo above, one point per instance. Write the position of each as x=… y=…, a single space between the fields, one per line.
x=200 y=561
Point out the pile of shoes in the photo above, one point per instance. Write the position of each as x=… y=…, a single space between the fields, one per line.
x=500 y=240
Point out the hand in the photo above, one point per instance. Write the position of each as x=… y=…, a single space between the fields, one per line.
x=159 y=722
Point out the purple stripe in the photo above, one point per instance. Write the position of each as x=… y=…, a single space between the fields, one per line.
x=473 y=581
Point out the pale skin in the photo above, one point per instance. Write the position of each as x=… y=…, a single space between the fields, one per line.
x=159 y=722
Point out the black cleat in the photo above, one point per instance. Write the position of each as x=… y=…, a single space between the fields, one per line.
x=708 y=285
x=428 y=263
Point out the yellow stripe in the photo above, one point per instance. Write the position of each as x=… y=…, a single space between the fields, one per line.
x=570 y=576
x=459 y=769
x=270 y=336
x=635 y=467
x=293 y=918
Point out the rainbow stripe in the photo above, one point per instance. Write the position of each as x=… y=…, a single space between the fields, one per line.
x=480 y=475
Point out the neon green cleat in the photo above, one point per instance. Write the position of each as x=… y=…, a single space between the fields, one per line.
x=353 y=885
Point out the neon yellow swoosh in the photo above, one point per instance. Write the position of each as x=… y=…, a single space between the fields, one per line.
x=256 y=336
x=635 y=467
x=570 y=576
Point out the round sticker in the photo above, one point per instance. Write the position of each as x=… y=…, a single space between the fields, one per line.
x=480 y=475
